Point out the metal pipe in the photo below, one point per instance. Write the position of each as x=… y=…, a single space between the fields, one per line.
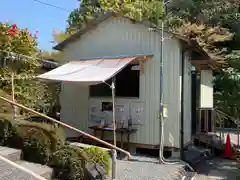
x=161 y=87
x=113 y=110
x=67 y=126
x=182 y=107
x=114 y=163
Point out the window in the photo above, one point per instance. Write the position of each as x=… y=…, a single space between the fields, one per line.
x=127 y=85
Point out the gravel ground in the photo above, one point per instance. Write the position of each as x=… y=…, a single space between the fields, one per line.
x=9 y=172
x=141 y=168
x=217 y=168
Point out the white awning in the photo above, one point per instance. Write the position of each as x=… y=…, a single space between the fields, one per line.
x=92 y=71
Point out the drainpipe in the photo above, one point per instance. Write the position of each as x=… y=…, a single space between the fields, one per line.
x=161 y=88
x=182 y=106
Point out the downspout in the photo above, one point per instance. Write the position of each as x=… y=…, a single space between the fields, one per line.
x=161 y=118
x=162 y=160
x=182 y=106
x=161 y=94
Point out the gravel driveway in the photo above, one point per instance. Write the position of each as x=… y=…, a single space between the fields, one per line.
x=218 y=168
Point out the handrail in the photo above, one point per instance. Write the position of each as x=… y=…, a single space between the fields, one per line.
x=227 y=116
x=67 y=126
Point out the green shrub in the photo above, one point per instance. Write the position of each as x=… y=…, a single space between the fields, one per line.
x=37 y=141
x=7 y=131
x=55 y=135
x=98 y=155
x=36 y=144
x=68 y=163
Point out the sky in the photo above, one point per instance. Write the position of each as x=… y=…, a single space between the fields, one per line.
x=35 y=16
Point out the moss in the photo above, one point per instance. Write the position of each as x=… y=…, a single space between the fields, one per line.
x=98 y=155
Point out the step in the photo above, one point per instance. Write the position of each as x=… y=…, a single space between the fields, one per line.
x=14 y=155
x=10 y=154
x=39 y=169
x=11 y=172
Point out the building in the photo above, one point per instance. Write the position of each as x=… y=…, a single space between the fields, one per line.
x=124 y=43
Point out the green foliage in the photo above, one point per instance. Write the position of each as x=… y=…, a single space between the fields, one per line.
x=68 y=163
x=54 y=134
x=227 y=85
x=36 y=145
x=22 y=42
x=37 y=141
x=208 y=38
x=45 y=144
x=138 y=10
x=7 y=131
x=59 y=36
x=5 y=108
x=24 y=66
x=214 y=12
x=98 y=155
x=214 y=25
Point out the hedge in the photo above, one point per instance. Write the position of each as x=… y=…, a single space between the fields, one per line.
x=37 y=141
x=7 y=131
x=45 y=144
x=69 y=161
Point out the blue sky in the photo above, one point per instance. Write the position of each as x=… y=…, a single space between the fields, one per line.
x=36 y=16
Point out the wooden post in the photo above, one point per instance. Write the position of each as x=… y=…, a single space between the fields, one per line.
x=13 y=97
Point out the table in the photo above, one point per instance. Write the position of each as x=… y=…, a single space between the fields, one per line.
x=122 y=131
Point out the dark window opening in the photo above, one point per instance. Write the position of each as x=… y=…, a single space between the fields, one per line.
x=127 y=85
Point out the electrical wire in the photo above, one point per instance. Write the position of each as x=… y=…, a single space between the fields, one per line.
x=52 y=5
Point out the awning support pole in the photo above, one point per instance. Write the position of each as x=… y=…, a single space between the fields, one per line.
x=113 y=110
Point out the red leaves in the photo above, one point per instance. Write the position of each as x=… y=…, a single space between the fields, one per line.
x=13 y=30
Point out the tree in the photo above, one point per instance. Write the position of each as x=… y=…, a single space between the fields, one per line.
x=54 y=88
x=221 y=20
x=55 y=55
x=137 y=9
x=18 y=54
x=227 y=83
x=208 y=38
